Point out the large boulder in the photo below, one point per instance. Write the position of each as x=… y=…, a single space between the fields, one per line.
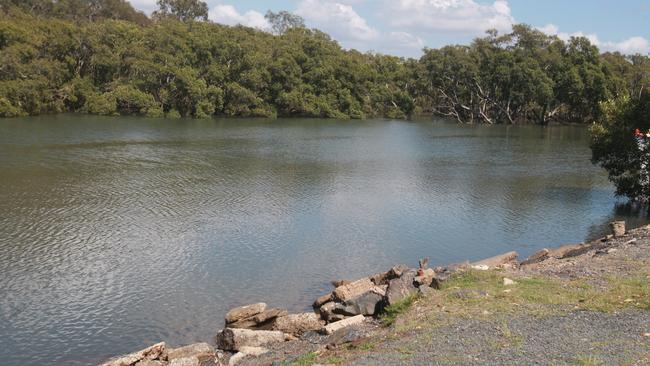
x=297 y=324
x=244 y=312
x=353 y=289
x=368 y=303
x=231 y=339
x=400 y=288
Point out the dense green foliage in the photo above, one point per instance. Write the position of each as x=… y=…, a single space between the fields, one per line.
x=614 y=145
x=104 y=57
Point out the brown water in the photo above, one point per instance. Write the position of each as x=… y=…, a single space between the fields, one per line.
x=119 y=232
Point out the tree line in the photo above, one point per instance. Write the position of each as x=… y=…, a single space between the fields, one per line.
x=104 y=57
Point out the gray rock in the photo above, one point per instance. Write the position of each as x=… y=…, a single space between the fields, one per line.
x=343 y=309
x=244 y=312
x=400 y=288
x=368 y=303
x=297 y=324
x=346 y=335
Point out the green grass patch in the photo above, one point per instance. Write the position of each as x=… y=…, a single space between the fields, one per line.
x=306 y=359
x=393 y=311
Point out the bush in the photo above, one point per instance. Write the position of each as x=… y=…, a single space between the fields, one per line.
x=614 y=145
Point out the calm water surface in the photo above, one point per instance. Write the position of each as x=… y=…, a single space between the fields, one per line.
x=119 y=232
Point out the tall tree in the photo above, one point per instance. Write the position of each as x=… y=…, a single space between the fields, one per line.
x=183 y=10
x=283 y=21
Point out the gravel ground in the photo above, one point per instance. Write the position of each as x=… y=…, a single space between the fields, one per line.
x=578 y=338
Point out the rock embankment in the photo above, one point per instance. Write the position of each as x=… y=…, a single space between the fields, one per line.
x=253 y=331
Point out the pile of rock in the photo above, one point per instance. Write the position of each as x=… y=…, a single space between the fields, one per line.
x=257 y=317
x=368 y=296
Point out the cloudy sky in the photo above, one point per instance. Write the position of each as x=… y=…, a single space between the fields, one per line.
x=404 y=27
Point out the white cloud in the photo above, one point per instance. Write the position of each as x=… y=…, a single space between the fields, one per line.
x=460 y=17
x=341 y=21
x=227 y=14
x=629 y=46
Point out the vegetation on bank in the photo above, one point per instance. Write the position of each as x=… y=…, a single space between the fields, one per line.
x=104 y=57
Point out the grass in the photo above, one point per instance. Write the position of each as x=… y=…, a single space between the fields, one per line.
x=583 y=360
x=393 y=311
x=541 y=295
x=306 y=359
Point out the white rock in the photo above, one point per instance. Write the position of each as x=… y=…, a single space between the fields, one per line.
x=231 y=339
x=508 y=282
x=333 y=327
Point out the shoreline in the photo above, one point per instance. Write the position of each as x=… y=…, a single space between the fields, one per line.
x=254 y=334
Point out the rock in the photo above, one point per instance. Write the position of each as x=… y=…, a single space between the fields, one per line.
x=400 y=288
x=618 y=228
x=498 y=260
x=248 y=323
x=369 y=303
x=245 y=352
x=346 y=335
x=244 y=312
x=150 y=363
x=397 y=271
x=508 y=282
x=352 y=290
x=156 y=351
x=337 y=283
x=323 y=299
x=426 y=290
x=333 y=327
x=481 y=267
x=297 y=324
x=423 y=263
x=231 y=339
x=539 y=256
x=205 y=359
x=380 y=278
x=443 y=273
x=343 y=309
x=191 y=350
x=326 y=310
x=426 y=277
x=267 y=315
x=337 y=317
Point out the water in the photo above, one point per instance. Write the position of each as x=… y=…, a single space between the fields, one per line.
x=116 y=233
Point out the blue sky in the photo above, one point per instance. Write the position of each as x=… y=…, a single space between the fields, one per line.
x=404 y=27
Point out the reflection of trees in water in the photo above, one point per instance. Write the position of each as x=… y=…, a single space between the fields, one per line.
x=635 y=214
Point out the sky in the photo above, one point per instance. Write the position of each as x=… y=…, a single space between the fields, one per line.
x=405 y=27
